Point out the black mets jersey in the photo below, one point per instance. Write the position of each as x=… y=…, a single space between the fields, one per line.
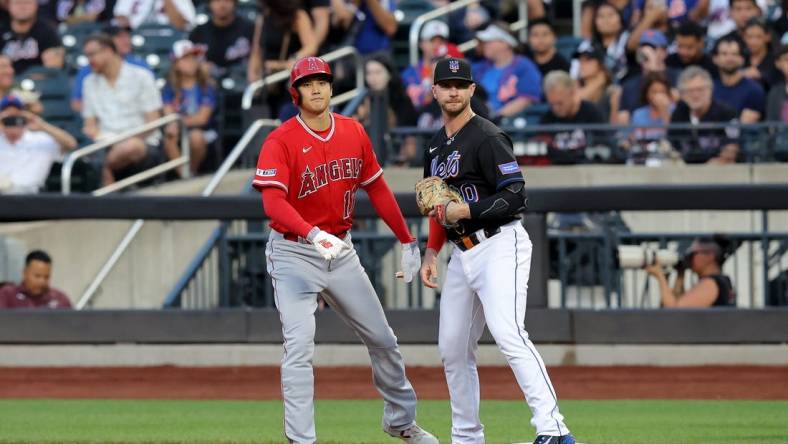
x=478 y=161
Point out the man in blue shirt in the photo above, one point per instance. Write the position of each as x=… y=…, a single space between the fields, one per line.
x=744 y=95
x=121 y=37
x=512 y=82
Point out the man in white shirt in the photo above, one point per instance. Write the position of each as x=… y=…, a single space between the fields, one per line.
x=118 y=96
x=179 y=14
x=28 y=147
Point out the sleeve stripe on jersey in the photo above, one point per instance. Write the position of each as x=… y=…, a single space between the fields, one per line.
x=269 y=183
x=503 y=183
x=372 y=179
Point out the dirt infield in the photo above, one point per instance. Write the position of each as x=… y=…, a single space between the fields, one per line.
x=713 y=382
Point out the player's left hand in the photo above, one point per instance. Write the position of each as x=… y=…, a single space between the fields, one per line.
x=655 y=269
x=411 y=261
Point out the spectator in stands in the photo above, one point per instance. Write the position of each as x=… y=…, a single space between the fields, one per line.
x=73 y=12
x=28 y=41
x=777 y=99
x=654 y=19
x=651 y=56
x=568 y=108
x=677 y=11
x=227 y=36
x=705 y=257
x=320 y=13
x=119 y=96
x=649 y=121
x=121 y=38
x=34 y=290
x=541 y=47
x=191 y=93
x=760 y=63
x=610 y=33
x=371 y=23
x=741 y=12
x=697 y=105
x=588 y=14
x=28 y=147
x=744 y=95
x=690 y=49
x=385 y=88
x=434 y=44
x=283 y=34
x=179 y=14
x=594 y=80
x=511 y=81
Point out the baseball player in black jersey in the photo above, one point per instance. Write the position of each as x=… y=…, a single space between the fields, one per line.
x=487 y=276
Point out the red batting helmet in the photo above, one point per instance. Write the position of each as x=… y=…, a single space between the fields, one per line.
x=303 y=68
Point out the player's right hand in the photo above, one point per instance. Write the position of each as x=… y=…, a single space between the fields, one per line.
x=328 y=245
x=429 y=269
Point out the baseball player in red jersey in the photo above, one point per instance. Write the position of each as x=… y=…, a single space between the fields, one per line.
x=308 y=171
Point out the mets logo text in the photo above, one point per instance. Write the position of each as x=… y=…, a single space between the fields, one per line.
x=454 y=65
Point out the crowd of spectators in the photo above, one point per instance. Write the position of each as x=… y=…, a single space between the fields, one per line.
x=638 y=65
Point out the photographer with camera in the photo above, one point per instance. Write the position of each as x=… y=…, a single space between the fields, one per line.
x=705 y=257
x=28 y=147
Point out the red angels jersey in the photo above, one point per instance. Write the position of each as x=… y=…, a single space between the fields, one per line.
x=319 y=172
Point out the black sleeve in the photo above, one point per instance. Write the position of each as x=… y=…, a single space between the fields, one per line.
x=427 y=172
x=677 y=137
x=497 y=162
x=501 y=171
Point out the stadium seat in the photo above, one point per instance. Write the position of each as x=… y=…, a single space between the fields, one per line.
x=566 y=45
x=50 y=83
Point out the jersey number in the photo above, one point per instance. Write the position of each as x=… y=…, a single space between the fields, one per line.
x=469 y=192
x=349 y=203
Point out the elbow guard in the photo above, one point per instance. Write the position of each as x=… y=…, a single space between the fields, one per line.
x=508 y=202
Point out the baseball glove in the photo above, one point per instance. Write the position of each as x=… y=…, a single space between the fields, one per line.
x=432 y=193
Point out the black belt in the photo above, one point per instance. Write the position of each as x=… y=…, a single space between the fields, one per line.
x=465 y=243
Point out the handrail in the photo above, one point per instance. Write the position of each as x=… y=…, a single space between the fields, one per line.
x=207 y=247
x=252 y=88
x=71 y=158
x=236 y=152
x=415 y=27
x=233 y=156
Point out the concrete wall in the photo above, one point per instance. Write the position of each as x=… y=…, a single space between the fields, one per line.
x=163 y=249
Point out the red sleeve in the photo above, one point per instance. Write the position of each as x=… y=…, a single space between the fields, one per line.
x=62 y=300
x=437 y=235
x=370 y=170
x=278 y=209
x=272 y=166
x=386 y=205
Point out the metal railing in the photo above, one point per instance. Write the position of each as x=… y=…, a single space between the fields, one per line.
x=124 y=244
x=280 y=76
x=415 y=28
x=71 y=158
x=198 y=273
x=643 y=144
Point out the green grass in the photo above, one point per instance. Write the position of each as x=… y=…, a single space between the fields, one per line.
x=593 y=422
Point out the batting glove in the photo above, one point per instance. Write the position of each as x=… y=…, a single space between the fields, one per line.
x=328 y=245
x=411 y=260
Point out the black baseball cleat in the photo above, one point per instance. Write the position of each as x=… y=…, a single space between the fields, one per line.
x=547 y=439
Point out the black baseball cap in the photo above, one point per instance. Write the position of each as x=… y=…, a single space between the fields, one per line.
x=452 y=69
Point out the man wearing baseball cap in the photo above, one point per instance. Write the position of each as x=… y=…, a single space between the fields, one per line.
x=476 y=157
x=28 y=147
x=434 y=45
x=651 y=55
x=511 y=81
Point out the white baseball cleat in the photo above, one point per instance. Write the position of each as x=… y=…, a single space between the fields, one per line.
x=414 y=435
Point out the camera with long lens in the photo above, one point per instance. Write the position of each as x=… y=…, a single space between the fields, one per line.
x=636 y=256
